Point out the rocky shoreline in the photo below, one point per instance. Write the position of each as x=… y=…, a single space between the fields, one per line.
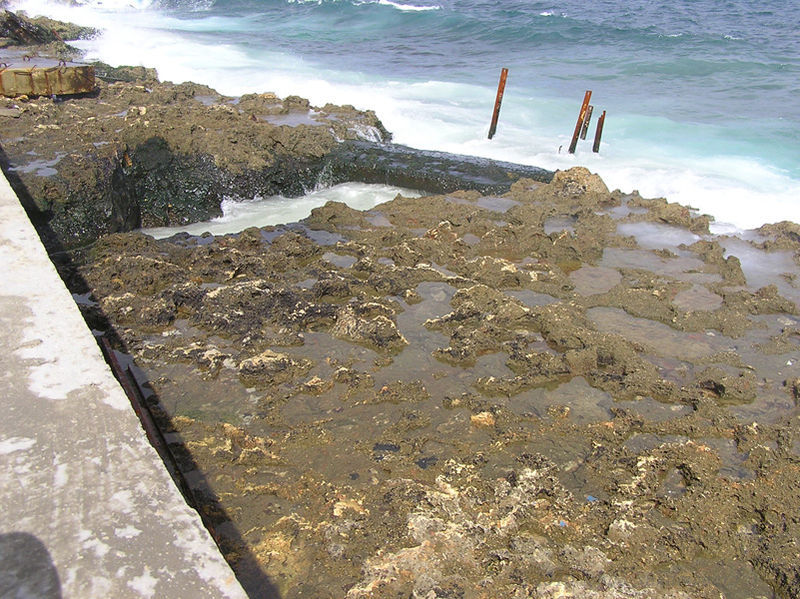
x=144 y=153
x=535 y=388
x=491 y=396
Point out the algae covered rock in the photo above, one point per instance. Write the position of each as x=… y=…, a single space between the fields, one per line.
x=272 y=367
x=361 y=324
x=21 y=30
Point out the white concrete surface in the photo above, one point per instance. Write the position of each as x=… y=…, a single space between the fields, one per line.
x=87 y=508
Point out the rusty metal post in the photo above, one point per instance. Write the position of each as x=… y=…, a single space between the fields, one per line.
x=600 y=122
x=584 y=107
x=500 y=89
x=586 y=121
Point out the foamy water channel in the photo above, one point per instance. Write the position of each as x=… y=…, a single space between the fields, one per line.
x=278 y=210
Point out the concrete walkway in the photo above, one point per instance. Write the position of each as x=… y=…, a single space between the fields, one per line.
x=87 y=508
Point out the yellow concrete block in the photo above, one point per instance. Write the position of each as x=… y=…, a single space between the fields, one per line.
x=46 y=81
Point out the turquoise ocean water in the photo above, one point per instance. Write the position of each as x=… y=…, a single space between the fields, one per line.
x=702 y=97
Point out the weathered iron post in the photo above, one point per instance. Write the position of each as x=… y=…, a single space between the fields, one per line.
x=500 y=89
x=584 y=107
x=586 y=121
x=600 y=122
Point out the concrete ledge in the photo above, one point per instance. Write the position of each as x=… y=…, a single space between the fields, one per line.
x=88 y=508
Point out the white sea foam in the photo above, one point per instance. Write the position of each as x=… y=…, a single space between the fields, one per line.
x=408 y=7
x=397 y=5
x=116 y=4
x=277 y=210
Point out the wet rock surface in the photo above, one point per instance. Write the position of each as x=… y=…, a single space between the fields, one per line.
x=479 y=396
x=434 y=172
x=16 y=29
x=142 y=153
x=145 y=153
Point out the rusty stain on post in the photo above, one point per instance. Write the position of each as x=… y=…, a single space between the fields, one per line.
x=587 y=96
x=586 y=121
x=500 y=89
x=600 y=122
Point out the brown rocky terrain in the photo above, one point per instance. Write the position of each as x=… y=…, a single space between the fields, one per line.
x=549 y=391
x=478 y=396
x=140 y=152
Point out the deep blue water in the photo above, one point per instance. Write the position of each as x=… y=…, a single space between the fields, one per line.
x=701 y=96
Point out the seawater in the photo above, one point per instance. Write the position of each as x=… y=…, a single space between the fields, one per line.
x=700 y=96
x=278 y=210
